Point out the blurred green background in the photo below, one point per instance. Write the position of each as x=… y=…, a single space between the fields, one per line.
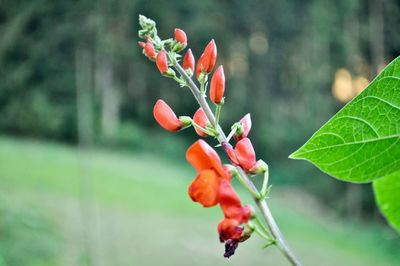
x=88 y=178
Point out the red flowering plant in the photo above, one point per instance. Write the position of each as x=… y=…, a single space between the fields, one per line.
x=212 y=186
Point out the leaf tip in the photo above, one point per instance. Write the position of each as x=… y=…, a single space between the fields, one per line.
x=294 y=155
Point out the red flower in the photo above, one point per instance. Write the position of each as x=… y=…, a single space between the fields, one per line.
x=245 y=154
x=246 y=124
x=217 y=87
x=207 y=59
x=149 y=49
x=200 y=119
x=162 y=62
x=188 y=60
x=166 y=117
x=180 y=36
x=142 y=44
x=212 y=186
x=205 y=188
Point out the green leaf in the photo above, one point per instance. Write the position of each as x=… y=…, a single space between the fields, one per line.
x=361 y=142
x=387 y=195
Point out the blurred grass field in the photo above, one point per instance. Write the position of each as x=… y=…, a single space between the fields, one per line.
x=64 y=206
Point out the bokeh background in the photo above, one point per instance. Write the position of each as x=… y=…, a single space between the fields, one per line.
x=88 y=178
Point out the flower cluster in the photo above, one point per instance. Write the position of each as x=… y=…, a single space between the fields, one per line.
x=212 y=186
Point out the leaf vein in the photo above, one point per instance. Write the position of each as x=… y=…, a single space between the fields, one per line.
x=345 y=158
x=333 y=134
x=350 y=170
x=382 y=100
x=361 y=120
x=350 y=143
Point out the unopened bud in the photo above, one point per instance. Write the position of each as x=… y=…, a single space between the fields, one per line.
x=162 y=62
x=180 y=36
x=166 y=117
x=188 y=61
x=217 y=87
x=149 y=49
x=207 y=59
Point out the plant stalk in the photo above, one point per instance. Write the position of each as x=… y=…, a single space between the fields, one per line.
x=262 y=204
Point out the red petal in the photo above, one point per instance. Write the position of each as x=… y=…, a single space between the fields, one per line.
x=245 y=154
x=201 y=156
x=204 y=189
x=230 y=203
x=246 y=123
x=230 y=152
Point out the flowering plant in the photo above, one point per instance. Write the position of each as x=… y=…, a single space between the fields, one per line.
x=212 y=186
x=359 y=144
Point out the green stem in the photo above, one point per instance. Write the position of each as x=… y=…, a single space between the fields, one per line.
x=206 y=131
x=260 y=224
x=217 y=114
x=233 y=131
x=254 y=193
x=178 y=80
x=264 y=187
x=261 y=234
x=202 y=87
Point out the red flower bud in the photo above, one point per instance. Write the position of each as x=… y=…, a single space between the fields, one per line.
x=217 y=87
x=188 y=60
x=149 y=49
x=165 y=117
x=207 y=59
x=245 y=154
x=204 y=189
x=246 y=126
x=142 y=44
x=162 y=62
x=200 y=119
x=180 y=36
